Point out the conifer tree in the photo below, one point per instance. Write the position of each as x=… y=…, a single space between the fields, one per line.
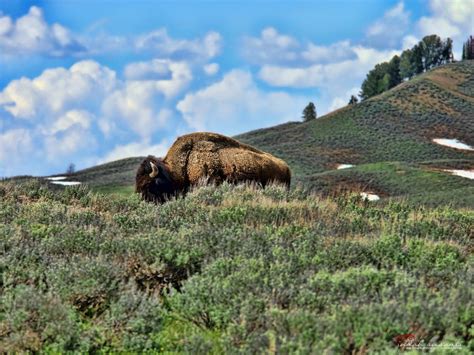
x=353 y=100
x=467 y=49
x=309 y=112
x=407 y=70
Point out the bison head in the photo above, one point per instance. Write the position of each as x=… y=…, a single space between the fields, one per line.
x=153 y=181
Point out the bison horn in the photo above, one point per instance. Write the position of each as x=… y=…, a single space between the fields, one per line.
x=154 y=170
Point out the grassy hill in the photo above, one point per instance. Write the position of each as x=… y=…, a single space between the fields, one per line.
x=388 y=138
x=398 y=125
x=394 y=128
x=231 y=269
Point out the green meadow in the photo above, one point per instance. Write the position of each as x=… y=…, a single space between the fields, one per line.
x=231 y=269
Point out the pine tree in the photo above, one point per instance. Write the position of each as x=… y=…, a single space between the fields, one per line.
x=377 y=81
x=447 y=54
x=394 y=71
x=406 y=67
x=429 y=53
x=468 y=49
x=417 y=59
x=309 y=112
x=71 y=169
x=354 y=100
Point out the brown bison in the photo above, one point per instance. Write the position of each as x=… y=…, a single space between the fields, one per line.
x=211 y=156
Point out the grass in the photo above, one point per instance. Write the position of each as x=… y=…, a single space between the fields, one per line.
x=415 y=183
x=115 y=189
x=398 y=125
x=230 y=269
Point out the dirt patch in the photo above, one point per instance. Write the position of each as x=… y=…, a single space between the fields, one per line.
x=155 y=279
x=337 y=185
x=450 y=164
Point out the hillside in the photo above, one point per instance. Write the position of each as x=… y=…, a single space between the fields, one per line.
x=388 y=138
x=396 y=126
x=230 y=270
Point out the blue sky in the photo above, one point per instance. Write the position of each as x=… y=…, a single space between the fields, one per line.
x=87 y=82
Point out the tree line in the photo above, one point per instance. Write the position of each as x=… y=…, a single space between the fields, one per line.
x=429 y=53
x=468 y=49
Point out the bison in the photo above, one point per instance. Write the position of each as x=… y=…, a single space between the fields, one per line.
x=197 y=156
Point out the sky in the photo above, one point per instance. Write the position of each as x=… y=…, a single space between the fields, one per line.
x=92 y=81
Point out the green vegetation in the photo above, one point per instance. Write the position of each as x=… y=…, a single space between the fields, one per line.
x=396 y=126
x=468 y=49
x=413 y=183
x=353 y=100
x=309 y=112
x=429 y=53
x=230 y=269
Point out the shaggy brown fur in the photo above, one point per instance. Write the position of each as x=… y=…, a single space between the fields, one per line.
x=207 y=155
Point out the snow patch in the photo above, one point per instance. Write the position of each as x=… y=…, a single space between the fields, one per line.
x=344 y=166
x=369 y=197
x=66 y=183
x=464 y=173
x=452 y=143
x=56 y=178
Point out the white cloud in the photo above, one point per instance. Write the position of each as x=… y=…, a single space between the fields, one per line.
x=275 y=48
x=326 y=75
x=138 y=105
x=30 y=34
x=331 y=53
x=151 y=70
x=235 y=104
x=164 y=75
x=211 y=68
x=457 y=11
x=341 y=101
x=13 y=143
x=59 y=96
x=332 y=79
x=136 y=149
x=79 y=118
x=68 y=143
x=58 y=90
x=68 y=111
x=438 y=25
x=449 y=18
x=409 y=42
x=387 y=31
x=270 y=47
x=160 y=43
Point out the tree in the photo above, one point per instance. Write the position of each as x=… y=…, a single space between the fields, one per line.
x=377 y=81
x=468 y=49
x=432 y=51
x=309 y=112
x=407 y=70
x=354 y=100
x=417 y=59
x=70 y=169
x=394 y=71
x=447 y=50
